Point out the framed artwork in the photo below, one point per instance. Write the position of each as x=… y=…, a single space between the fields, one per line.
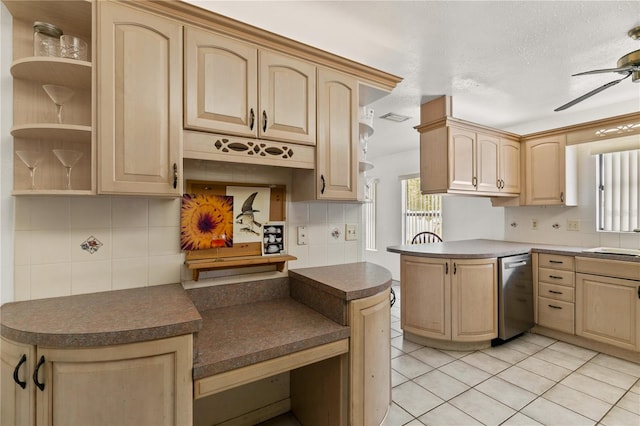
x=250 y=211
x=206 y=221
x=273 y=238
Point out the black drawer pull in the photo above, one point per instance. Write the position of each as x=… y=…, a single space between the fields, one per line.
x=555 y=307
x=22 y=384
x=555 y=277
x=555 y=292
x=35 y=374
x=559 y=262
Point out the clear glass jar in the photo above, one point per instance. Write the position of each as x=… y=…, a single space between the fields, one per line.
x=46 y=39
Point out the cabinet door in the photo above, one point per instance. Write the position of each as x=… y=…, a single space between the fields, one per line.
x=137 y=384
x=474 y=297
x=608 y=310
x=287 y=99
x=462 y=169
x=337 y=146
x=509 y=166
x=487 y=165
x=17 y=406
x=220 y=84
x=425 y=297
x=370 y=321
x=139 y=102
x=545 y=171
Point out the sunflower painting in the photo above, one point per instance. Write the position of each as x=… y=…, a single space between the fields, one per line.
x=206 y=221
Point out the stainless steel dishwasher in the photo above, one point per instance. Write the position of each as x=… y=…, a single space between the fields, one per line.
x=515 y=296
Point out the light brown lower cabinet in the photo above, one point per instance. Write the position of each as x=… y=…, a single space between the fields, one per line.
x=449 y=299
x=370 y=355
x=146 y=383
x=608 y=310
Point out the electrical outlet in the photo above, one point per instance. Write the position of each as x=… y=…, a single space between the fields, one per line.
x=534 y=224
x=351 y=232
x=303 y=239
x=573 y=225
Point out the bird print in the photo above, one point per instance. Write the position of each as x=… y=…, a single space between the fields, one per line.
x=246 y=216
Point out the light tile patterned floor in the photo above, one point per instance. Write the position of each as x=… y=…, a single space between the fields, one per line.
x=532 y=380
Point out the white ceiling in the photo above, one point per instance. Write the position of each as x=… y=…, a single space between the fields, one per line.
x=507 y=64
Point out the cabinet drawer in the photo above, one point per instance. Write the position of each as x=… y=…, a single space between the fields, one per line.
x=556 y=292
x=556 y=277
x=555 y=261
x=556 y=314
x=608 y=268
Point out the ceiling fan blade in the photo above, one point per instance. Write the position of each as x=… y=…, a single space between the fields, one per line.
x=628 y=68
x=591 y=93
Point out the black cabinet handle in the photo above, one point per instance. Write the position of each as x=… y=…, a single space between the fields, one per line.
x=555 y=277
x=559 y=262
x=324 y=184
x=455 y=268
x=264 y=120
x=555 y=292
x=35 y=374
x=22 y=384
x=555 y=307
x=252 y=119
x=474 y=182
x=562 y=197
x=175 y=175
x=446 y=269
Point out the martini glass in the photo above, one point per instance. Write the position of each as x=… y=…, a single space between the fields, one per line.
x=60 y=95
x=68 y=158
x=32 y=160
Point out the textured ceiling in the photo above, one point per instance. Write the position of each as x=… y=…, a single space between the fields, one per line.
x=507 y=64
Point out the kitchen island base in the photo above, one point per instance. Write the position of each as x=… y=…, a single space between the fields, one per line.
x=446 y=345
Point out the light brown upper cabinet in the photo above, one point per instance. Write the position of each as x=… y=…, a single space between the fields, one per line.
x=233 y=87
x=335 y=176
x=466 y=160
x=337 y=148
x=139 y=102
x=547 y=182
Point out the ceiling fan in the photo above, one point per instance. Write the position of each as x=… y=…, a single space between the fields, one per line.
x=629 y=65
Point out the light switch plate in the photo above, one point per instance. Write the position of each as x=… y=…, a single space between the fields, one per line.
x=303 y=239
x=351 y=232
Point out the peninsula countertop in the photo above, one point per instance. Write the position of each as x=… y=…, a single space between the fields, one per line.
x=480 y=248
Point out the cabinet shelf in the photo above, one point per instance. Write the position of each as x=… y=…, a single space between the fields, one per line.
x=53 y=131
x=51 y=70
x=236 y=262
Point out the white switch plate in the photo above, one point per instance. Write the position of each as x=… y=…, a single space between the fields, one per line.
x=303 y=239
x=351 y=232
x=573 y=225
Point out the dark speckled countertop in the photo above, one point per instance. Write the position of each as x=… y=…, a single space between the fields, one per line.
x=495 y=248
x=100 y=319
x=240 y=335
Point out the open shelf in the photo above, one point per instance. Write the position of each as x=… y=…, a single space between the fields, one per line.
x=51 y=70
x=236 y=262
x=53 y=131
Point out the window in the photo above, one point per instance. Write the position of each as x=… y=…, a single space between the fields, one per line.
x=419 y=212
x=370 y=214
x=619 y=191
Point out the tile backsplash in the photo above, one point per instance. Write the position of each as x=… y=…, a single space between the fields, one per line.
x=137 y=239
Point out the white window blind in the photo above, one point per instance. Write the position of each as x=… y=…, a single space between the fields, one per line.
x=619 y=191
x=370 y=214
x=419 y=212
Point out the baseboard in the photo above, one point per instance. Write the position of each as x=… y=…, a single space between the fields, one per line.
x=588 y=343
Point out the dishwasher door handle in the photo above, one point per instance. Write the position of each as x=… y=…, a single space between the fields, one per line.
x=515 y=264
